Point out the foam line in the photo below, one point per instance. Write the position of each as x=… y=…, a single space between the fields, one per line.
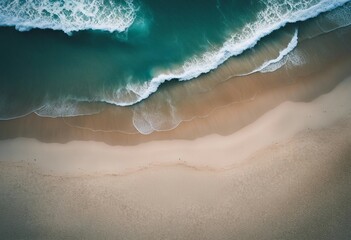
x=274 y=17
x=68 y=16
x=266 y=65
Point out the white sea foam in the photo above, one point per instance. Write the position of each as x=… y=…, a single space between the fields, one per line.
x=68 y=16
x=160 y=116
x=275 y=16
x=280 y=60
x=122 y=16
x=330 y=21
x=67 y=107
x=341 y=18
x=292 y=59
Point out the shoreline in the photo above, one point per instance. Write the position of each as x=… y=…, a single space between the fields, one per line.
x=275 y=166
x=263 y=156
x=277 y=125
x=294 y=183
x=228 y=107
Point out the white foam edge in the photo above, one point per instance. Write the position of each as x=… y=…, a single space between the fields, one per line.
x=21 y=24
x=291 y=46
x=211 y=60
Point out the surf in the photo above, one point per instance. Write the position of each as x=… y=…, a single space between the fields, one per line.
x=272 y=18
x=68 y=16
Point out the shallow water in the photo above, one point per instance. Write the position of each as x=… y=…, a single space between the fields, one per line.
x=84 y=63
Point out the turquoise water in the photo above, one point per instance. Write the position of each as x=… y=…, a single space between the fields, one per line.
x=119 y=52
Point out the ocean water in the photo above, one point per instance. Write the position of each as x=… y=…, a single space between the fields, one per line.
x=62 y=58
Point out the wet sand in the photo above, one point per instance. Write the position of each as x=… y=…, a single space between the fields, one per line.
x=224 y=108
x=266 y=156
x=285 y=176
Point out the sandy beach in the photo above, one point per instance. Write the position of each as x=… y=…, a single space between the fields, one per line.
x=262 y=156
x=287 y=184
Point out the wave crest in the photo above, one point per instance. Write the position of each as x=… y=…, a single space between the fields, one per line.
x=68 y=16
x=273 y=17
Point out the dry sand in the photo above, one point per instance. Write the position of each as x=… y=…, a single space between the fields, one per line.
x=285 y=176
x=275 y=166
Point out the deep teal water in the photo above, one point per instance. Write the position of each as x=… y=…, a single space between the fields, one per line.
x=42 y=66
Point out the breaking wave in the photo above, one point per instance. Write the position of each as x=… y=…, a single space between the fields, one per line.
x=68 y=16
x=273 y=17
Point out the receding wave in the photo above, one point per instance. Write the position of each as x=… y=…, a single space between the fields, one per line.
x=68 y=107
x=68 y=16
x=274 y=16
x=267 y=66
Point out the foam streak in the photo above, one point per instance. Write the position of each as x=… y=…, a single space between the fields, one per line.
x=68 y=16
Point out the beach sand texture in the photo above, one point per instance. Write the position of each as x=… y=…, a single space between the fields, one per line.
x=294 y=184
x=262 y=156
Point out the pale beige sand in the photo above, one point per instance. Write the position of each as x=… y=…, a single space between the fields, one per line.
x=285 y=176
x=211 y=152
x=281 y=170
